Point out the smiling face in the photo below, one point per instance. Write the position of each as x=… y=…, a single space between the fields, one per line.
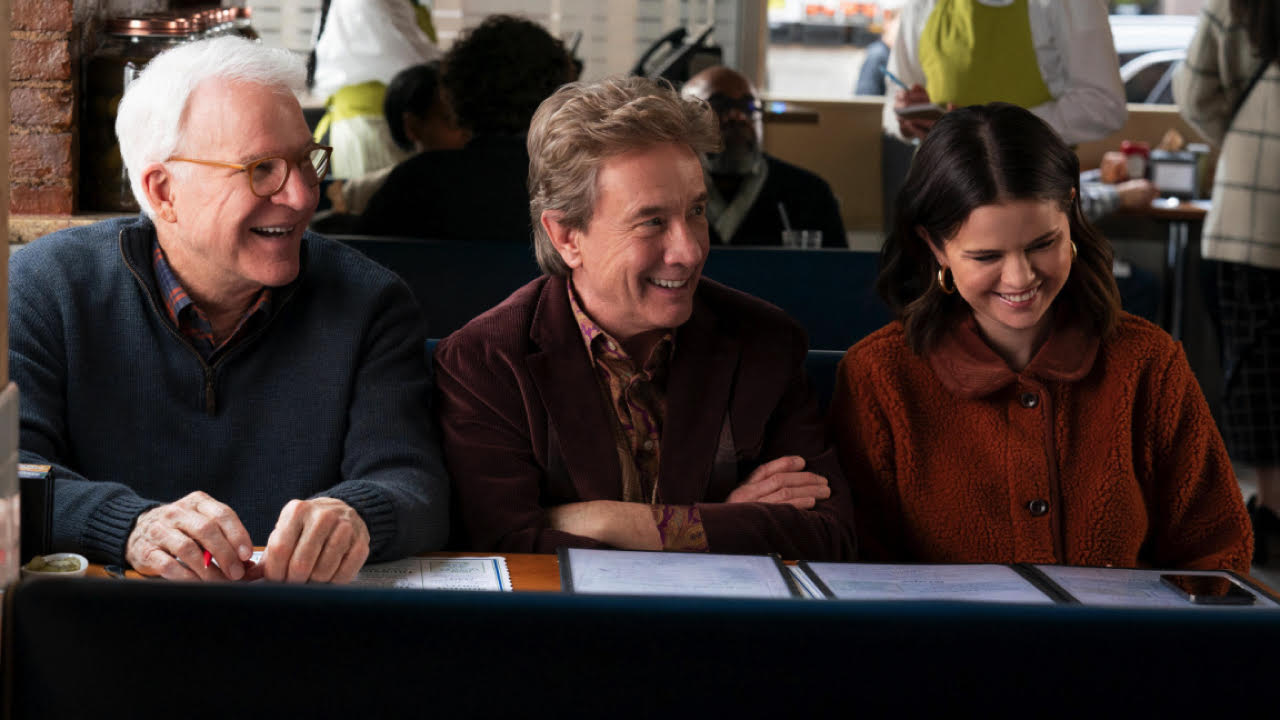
x=636 y=265
x=1009 y=261
x=223 y=241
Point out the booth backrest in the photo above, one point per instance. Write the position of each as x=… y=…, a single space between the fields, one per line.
x=453 y=281
x=829 y=292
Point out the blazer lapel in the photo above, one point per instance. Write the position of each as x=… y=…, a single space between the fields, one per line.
x=565 y=378
x=698 y=390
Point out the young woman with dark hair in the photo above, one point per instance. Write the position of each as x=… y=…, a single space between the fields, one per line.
x=1013 y=412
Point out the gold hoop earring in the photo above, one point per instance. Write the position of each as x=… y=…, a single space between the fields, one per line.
x=1074 y=252
x=942 y=281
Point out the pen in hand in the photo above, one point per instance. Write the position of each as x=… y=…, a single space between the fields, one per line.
x=896 y=80
x=208 y=557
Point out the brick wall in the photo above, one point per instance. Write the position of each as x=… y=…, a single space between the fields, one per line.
x=42 y=134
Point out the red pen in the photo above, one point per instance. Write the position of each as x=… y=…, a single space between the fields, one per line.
x=208 y=557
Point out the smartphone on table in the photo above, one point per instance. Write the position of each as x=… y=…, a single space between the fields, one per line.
x=1209 y=589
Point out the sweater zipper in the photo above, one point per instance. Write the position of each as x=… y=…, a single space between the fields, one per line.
x=209 y=371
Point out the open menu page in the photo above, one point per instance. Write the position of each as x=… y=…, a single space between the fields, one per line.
x=622 y=572
x=874 y=581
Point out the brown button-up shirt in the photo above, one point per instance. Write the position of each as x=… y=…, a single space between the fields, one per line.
x=638 y=399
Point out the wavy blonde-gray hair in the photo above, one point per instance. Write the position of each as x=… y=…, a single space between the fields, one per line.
x=583 y=124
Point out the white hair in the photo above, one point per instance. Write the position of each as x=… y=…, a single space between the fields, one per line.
x=149 y=121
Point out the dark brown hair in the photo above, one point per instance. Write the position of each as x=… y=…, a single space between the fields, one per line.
x=976 y=156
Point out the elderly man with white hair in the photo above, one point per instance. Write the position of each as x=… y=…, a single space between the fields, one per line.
x=211 y=376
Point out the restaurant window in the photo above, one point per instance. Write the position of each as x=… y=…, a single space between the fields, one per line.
x=610 y=35
x=816 y=49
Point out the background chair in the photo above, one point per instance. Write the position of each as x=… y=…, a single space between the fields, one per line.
x=453 y=281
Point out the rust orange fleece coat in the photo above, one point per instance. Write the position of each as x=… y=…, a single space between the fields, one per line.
x=1098 y=453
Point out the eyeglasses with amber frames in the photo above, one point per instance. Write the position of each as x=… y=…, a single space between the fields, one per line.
x=268 y=175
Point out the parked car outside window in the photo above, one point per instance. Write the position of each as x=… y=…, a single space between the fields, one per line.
x=1150 y=48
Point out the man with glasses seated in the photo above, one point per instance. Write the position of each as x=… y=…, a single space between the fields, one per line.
x=754 y=196
x=210 y=376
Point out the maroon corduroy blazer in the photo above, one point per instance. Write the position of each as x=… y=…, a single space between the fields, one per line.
x=526 y=429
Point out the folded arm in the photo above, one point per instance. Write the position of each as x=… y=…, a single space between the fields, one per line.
x=770 y=510
x=488 y=443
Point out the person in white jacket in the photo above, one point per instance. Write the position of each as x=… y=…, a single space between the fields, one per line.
x=363 y=44
x=1229 y=89
x=965 y=52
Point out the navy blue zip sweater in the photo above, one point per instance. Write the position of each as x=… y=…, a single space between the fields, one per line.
x=327 y=397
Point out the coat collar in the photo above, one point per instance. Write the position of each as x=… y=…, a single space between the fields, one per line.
x=969 y=368
x=698 y=390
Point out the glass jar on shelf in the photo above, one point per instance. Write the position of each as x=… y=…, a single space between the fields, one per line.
x=129 y=43
x=242 y=23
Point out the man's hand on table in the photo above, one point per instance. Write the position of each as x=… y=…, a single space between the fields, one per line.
x=320 y=540
x=170 y=541
x=782 y=481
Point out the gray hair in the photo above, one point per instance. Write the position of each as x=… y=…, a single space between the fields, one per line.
x=149 y=123
x=584 y=124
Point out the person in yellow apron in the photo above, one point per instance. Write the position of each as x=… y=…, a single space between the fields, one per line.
x=363 y=44
x=1054 y=58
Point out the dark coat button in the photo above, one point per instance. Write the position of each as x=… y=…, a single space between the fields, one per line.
x=1029 y=400
x=1038 y=507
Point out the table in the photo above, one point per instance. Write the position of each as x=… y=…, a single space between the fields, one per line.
x=541 y=573
x=1178 y=216
x=529 y=572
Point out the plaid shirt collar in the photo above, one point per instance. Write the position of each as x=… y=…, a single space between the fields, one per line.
x=189 y=318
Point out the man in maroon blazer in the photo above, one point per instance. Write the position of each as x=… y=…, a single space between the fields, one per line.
x=621 y=400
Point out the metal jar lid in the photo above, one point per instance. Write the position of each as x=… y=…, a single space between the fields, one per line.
x=149 y=25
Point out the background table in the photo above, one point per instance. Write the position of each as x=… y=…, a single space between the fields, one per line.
x=1178 y=219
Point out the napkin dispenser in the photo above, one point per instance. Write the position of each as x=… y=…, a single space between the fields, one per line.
x=1176 y=173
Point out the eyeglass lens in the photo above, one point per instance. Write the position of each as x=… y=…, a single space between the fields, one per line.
x=268 y=176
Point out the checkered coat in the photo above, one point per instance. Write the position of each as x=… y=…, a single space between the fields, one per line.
x=1243 y=225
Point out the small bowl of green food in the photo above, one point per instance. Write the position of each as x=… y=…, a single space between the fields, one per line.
x=56 y=565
